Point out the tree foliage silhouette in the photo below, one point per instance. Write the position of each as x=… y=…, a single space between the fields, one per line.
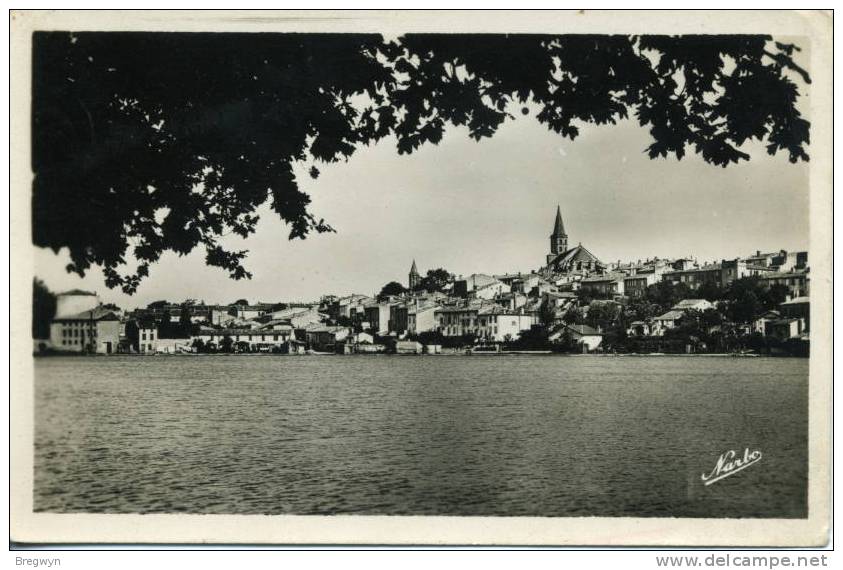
x=434 y=280
x=43 y=309
x=391 y=289
x=151 y=142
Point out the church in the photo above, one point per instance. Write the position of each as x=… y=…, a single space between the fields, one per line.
x=561 y=259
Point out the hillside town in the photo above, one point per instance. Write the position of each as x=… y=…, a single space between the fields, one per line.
x=573 y=303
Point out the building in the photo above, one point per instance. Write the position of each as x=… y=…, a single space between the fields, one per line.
x=218 y=315
x=249 y=312
x=258 y=340
x=421 y=319
x=142 y=335
x=95 y=330
x=636 y=285
x=494 y=324
x=693 y=305
x=326 y=338
x=519 y=282
x=472 y=283
x=488 y=321
x=799 y=308
x=782 y=261
x=512 y=300
x=174 y=345
x=561 y=259
x=457 y=320
x=413 y=316
x=760 y=324
x=795 y=281
x=377 y=315
x=408 y=347
x=414 y=279
x=604 y=286
x=297 y=317
x=665 y=322
x=762 y=259
x=588 y=337
x=74 y=302
x=576 y=260
x=558 y=239
x=720 y=274
x=489 y=291
x=641 y=275
x=784 y=329
x=639 y=328
x=345 y=307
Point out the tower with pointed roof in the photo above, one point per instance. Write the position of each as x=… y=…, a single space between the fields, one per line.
x=415 y=278
x=558 y=239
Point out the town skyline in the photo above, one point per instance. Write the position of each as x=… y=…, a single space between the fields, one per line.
x=430 y=207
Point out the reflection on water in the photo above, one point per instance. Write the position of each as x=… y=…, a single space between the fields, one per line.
x=449 y=435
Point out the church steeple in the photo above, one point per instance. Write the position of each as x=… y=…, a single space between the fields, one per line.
x=558 y=226
x=558 y=239
x=415 y=278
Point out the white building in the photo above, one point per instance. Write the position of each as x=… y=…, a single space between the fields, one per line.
x=74 y=302
x=665 y=322
x=693 y=305
x=588 y=337
x=259 y=340
x=497 y=325
x=95 y=330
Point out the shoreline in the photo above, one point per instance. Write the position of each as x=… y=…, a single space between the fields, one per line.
x=446 y=354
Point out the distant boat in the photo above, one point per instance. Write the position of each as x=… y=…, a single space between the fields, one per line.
x=316 y=353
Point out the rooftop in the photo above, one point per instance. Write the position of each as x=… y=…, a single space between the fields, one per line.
x=77 y=292
x=604 y=278
x=96 y=314
x=584 y=330
x=670 y=316
x=690 y=303
x=320 y=328
x=797 y=301
x=235 y=332
x=777 y=275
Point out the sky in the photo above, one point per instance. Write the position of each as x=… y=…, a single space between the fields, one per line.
x=488 y=207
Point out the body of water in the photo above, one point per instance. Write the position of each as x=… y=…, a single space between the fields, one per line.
x=420 y=435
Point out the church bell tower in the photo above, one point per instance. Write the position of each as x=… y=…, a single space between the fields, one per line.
x=558 y=239
x=415 y=278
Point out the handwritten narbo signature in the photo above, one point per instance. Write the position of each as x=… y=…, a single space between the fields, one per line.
x=729 y=463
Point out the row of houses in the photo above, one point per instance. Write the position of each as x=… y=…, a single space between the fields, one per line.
x=632 y=281
x=491 y=308
x=791 y=320
x=215 y=315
